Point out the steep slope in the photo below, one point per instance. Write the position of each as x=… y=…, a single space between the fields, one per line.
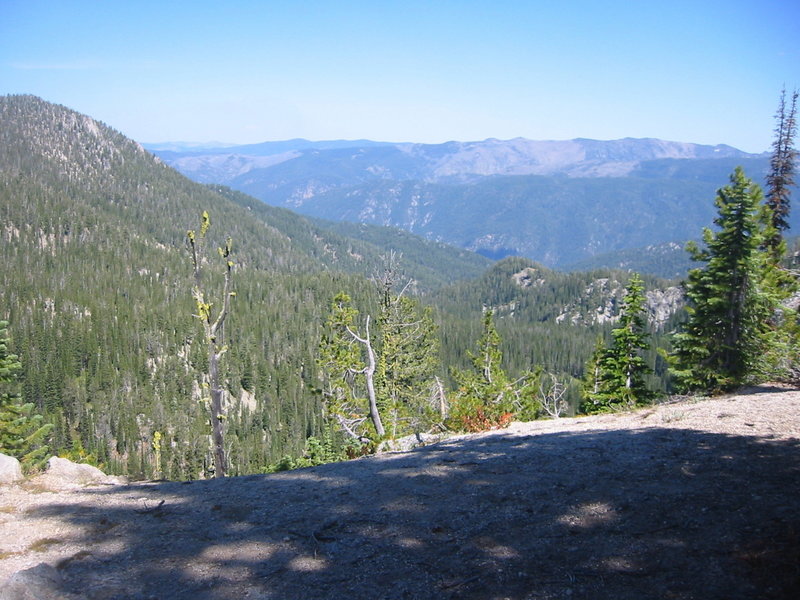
x=555 y=221
x=361 y=248
x=96 y=284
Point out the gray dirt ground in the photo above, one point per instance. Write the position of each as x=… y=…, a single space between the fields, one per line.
x=696 y=500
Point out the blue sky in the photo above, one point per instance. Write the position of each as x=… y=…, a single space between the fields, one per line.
x=423 y=71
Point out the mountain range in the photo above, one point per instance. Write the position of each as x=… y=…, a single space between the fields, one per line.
x=97 y=286
x=556 y=202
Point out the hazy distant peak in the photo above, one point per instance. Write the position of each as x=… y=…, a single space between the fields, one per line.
x=185 y=146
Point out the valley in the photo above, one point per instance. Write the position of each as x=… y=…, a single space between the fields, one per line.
x=98 y=295
x=400 y=301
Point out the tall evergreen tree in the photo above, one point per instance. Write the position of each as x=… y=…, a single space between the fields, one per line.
x=409 y=357
x=620 y=369
x=720 y=345
x=409 y=353
x=781 y=176
x=22 y=433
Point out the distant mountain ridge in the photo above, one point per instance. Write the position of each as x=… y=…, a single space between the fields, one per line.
x=556 y=202
x=433 y=162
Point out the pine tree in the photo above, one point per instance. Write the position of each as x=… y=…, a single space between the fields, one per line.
x=630 y=343
x=620 y=369
x=592 y=375
x=409 y=357
x=22 y=433
x=486 y=397
x=382 y=376
x=347 y=365
x=720 y=345
x=409 y=354
x=781 y=176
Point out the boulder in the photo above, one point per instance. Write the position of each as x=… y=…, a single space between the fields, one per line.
x=63 y=474
x=10 y=469
x=74 y=472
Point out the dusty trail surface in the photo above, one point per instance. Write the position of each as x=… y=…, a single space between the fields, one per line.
x=693 y=500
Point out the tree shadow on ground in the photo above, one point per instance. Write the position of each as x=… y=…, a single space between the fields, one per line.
x=628 y=514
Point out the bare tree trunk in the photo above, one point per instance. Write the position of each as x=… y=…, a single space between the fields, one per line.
x=442 y=398
x=217 y=436
x=369 y=373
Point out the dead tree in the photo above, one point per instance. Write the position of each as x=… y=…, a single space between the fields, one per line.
x=551 y=396
x=369 y=374
x=213 y=333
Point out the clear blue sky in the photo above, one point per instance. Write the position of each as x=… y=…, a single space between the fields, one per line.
x=703 y=71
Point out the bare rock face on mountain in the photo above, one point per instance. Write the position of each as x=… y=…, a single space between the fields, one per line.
x=662 y=304
x=604 y=297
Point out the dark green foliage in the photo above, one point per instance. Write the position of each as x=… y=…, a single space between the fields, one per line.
x=616 y=374
x=329 y=447
x=9 y=363
x=95 y=282
x=360 y=248
x=23 y=435
x=724 y=338
x=545 y=318
x=667 y=261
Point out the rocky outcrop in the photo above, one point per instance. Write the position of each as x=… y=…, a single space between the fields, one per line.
x=662 y=304
x=602 y=300
x=10 y=470
x=528 y=277
x=409 y=442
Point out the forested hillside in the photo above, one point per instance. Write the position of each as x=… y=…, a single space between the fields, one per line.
x=97 y=288
x=550 y=318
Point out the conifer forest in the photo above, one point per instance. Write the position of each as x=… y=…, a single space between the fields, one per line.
x=160 y=328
